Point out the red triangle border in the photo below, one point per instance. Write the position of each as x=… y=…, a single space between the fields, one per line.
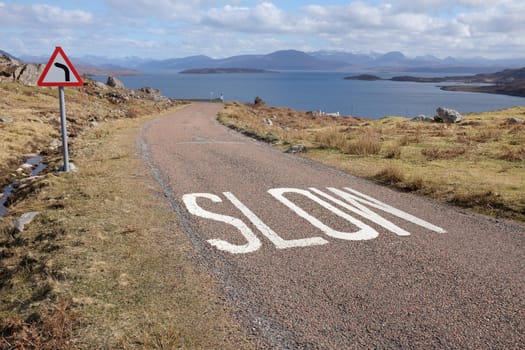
x=58 y=50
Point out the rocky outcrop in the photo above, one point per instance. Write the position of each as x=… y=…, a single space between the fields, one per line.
x=446 y=115
x=152 y=94
x=25 y=73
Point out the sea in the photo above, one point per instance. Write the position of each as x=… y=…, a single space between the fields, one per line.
x=324 y=91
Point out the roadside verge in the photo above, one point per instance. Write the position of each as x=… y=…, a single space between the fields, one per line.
x=104 y=264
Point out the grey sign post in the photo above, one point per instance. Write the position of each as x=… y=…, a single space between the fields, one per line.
x=60 y=72
x=65 y=151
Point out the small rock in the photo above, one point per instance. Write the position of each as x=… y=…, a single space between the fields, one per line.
x=296 y=149
x=150 y=90
x=54 y=144
x=6 y=120
x=73 y=168
x=446 y=115
x=26 y=166
x=423 y=118
x=515 y=121
x=268 y=122
x=25 y=219
x=93 y=123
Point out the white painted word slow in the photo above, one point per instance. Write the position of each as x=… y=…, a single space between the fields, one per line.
x=351 y=200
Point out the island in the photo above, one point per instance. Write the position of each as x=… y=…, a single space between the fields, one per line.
x=507 y=82
x=223 y=71
x=366 y=77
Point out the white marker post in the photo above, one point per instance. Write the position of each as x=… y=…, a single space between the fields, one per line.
x=60 y=72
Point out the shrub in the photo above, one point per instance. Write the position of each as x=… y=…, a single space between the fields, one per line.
x=488 y=135
x=364 y=145
x=405 y=140
x=393 y=152
x=512 y=154
x=259 y=101
x=390 y=176
x=332 y=138
x=440 y=153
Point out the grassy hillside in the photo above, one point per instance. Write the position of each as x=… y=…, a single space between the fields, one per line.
x=477 y=164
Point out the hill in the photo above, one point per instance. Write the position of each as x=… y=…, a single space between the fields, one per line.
x=279 y=60
x=505 y=82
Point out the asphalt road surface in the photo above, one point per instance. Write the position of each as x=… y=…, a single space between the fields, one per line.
x=313 y=258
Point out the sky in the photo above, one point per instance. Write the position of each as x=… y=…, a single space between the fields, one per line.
x=178 y=28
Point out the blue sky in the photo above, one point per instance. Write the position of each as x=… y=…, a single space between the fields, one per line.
x=220 y=28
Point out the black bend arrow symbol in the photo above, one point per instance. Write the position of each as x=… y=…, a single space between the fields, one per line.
x=65 y=68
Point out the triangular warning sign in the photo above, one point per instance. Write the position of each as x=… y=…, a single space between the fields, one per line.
x=59 y=71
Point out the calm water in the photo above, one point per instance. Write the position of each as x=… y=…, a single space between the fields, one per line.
x=328 y=92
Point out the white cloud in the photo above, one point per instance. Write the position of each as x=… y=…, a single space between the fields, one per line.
x=264 y=17
x=221 y=27
x=42 y=16
x=159 y=9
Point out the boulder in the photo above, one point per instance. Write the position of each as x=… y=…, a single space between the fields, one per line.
x=446 y=115
x=115 y=83
x=28 y=74
x=515 y=121
x=100 y=85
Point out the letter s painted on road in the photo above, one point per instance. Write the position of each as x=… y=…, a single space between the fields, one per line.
x=190 y=200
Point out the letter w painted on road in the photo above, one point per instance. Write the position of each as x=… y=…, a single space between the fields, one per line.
x=353 y=201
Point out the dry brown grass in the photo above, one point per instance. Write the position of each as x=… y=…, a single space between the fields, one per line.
x=440 y=160
x=106 y=242
x=443 y=153
x=394 y=151
x=367 y=143
x=46 y=330
x=513 y=154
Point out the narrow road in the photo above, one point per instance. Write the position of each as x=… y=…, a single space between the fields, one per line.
x=313 y=258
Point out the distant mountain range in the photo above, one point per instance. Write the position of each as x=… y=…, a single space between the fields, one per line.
x=293 y=60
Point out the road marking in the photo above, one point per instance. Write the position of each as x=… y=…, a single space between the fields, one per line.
x=352 y=201
x=190 y=200
x=363 y=198
x=360 y=210
x=365 y=233
x=279 y=242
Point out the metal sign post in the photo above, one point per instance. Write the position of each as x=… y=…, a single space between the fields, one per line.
x=60 y=72
x=65 y=151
